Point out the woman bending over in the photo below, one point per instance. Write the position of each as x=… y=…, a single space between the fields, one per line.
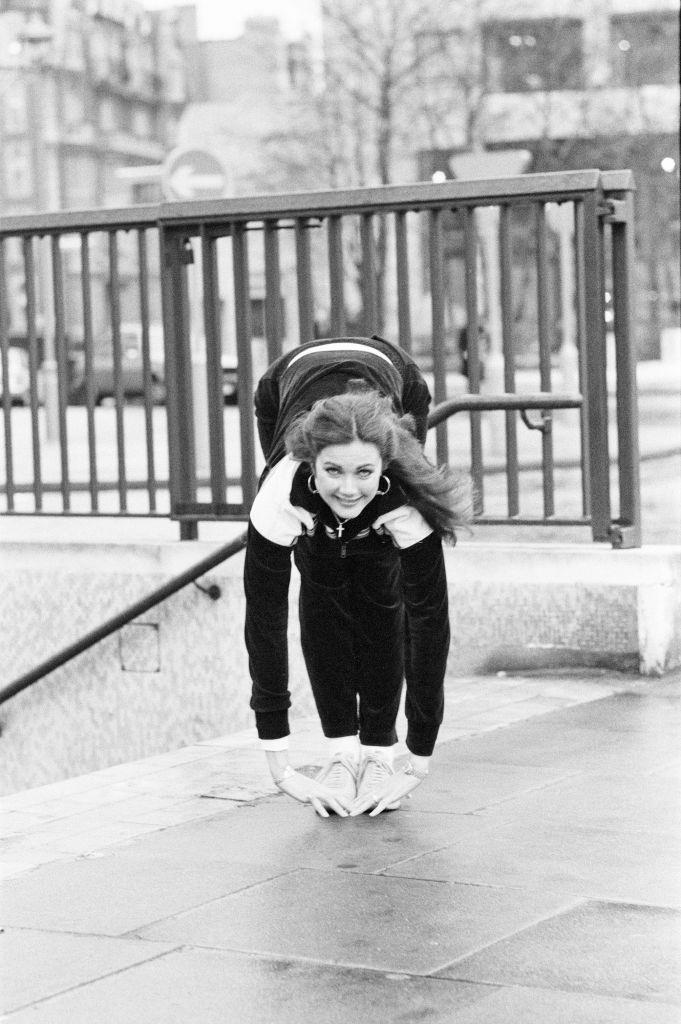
x=349 y=490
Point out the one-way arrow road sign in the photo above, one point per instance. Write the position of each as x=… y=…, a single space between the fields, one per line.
x=194 y=174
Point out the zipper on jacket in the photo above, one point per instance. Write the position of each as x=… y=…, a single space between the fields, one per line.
x=344 y=549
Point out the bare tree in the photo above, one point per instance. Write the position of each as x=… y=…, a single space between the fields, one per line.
x=396 y=74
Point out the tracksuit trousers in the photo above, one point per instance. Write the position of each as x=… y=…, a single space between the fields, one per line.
x=370 y=614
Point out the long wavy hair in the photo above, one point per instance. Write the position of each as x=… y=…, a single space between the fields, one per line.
x=442 y=496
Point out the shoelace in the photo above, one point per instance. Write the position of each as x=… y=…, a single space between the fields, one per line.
x=337 y=771
x=375 y=770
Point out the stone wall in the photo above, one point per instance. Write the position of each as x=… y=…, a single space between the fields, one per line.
x=179 y=673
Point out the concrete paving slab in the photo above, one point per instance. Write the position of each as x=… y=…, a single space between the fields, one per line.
x=284 y=835
x=35 y=964
x=622 y=802
x=120 y=891
x=467 y=788
x=626 y=712
x=211 y=987
x=558 y=858
x=539 y=1006
x=383 y=923
x=563 y=799
x=550 y=741
x=602 y=948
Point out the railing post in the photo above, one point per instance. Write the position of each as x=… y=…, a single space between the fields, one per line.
x=597 y=385
x=244 y=338
x=437 y=303
x=176 y=254
x=626 y=532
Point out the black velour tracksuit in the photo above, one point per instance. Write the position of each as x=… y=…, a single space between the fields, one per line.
x=371 y=612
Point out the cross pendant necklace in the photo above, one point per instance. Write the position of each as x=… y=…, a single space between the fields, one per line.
x=341 y=525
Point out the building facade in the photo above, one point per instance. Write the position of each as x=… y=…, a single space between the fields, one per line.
x=592 y=83
x=88 y=90
x=101 y=88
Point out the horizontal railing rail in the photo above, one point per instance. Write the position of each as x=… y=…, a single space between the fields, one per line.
x=138 y=328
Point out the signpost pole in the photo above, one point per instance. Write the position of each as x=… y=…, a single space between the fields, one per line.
x=196 y=174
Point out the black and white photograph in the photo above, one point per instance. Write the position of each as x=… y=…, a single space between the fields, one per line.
x=340 y=512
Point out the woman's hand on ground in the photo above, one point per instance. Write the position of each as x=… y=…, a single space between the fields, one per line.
x=393 y=789
x=309 y=791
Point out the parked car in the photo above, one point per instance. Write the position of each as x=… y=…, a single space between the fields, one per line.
x=132 y=368
x=18 y=376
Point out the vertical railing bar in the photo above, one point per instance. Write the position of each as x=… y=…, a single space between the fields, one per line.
x=627 y=411
x=86 y=291
x=274 y=330
x=213 y=335
x=242 y=310
x=304 y=278
x=336 y=291
x=472 y=324
x=31 y=334
x=143 y=270
x=597 y=389
x=62 y=368
x=402 y=269
x=580 y=318
x=174 y=254
x=114 y=301
x=369 y=291
x=543 y=329
x=507 y=341
x=6 y=397
x=438 y=327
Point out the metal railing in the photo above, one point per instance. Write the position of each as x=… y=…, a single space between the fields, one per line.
x=248 y=278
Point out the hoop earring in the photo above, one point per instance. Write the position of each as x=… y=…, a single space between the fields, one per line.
x=387 y=480
x=310 y=485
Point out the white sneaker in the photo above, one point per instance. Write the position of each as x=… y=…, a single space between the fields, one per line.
x=340 y=774
x=372 y=777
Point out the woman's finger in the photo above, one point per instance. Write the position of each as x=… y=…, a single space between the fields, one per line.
x=333 y=800
x=319 y=807
x=359 y=807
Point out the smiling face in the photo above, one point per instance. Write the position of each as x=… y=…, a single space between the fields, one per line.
x=347 y=476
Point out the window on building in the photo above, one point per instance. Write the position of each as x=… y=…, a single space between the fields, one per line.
x=74 y=48
x=99 y=55
x=15 y=109
x=107 y=114
x=644 y=48
x=299 y=66
x=533 y=54
x=175 y=84
x=80 y=181
x=142 y=123
x=16 y=157
x=74 y=113
x=124 y=118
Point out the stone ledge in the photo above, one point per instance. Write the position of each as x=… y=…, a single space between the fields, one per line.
x=185 y=677
x=533 y=606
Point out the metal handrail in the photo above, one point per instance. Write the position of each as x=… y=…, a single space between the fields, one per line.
x=124 y=617
x=493 y=403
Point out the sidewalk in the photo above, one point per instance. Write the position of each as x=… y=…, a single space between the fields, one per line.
x=533 y=879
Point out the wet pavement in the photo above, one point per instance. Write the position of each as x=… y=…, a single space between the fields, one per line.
x=534 y=878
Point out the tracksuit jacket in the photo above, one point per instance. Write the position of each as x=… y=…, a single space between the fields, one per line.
x=373 y=597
